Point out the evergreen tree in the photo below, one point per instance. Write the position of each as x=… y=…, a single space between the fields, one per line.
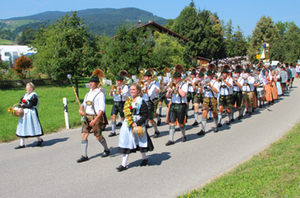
x=265 y=31
x=291 y=44
x=240 y=43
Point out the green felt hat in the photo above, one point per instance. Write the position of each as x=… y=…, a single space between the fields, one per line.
x=176 y=74
x=210 y=72
x=193 y=72
x=247 y=71
x=94 y=79
x=200 y=74
x=147 y=73
x=225 y=71
x=120 y=78
x=238 y=71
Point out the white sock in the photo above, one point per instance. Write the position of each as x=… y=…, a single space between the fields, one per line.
x=171 y=132
x=196 y=116
x=220 y=118
x=203 y=122
x=22 y=141
x=124 y=159
x=144 y=156
x=113 y=126
x=159 y=109
x=120 y=120
x=155 y=127
x=209 y=116
x=39 y=139
x=84 y=146
x=147 y=122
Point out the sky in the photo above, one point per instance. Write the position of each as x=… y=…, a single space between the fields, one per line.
x=245 y=13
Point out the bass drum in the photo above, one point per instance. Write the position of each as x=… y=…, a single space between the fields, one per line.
x=260 y=92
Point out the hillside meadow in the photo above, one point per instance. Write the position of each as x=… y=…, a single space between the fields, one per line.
x=51 y=111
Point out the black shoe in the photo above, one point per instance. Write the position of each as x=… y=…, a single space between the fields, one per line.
x=19 y=147
x=240 y=117
x=193 y=108
x=219 y=125
x=147 y=126
x=40 y=142
x=183 y=139
x=119 y=124
x=195 y=124
x=246 y=112
x=112 y=134
x=82 y=159
x=216 y=130
x=232 y=120
x=156 y=134
x=121 y=168
x=254 y=109
x=201 y=132
x=105 y=153
x=228 y=123
x=144 y=162
x=160 y=115
x=250 y=113
x=169 y=143
x=209 y=119
x=158 y=123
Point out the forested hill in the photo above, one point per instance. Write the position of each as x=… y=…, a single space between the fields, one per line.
x=99 y=21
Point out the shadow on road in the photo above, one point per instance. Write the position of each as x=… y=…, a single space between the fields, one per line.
x=48 y=142
x=153 y=160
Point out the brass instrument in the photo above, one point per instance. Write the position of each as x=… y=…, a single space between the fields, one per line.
x=115 y=87
x=173 y=85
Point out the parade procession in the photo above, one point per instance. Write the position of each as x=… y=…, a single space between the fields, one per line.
x=217 y=93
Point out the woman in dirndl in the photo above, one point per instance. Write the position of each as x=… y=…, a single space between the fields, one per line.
x=29 y=124
x=273 y=86
x=136 y=115
x=268 y=94
x=278 y=84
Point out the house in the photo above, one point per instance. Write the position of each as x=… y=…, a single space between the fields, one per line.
x=12 y=52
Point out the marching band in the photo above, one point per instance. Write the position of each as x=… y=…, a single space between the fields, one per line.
x=217 y=91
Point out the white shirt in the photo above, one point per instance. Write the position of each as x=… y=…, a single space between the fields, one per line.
x=177 y=98
x=240 y=80
x=250 y=87
x=99 y=102
x=191 y=88
x=294 y=72
x=152 y=90
x=298 y=69
x=157 y=84
x=228 y=90
x=122 y=96
x=208 y=92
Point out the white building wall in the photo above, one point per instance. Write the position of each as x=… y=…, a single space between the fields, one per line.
x=12 y=52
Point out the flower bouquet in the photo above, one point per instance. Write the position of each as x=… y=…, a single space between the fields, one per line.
x=127 y=112
x=15 y=110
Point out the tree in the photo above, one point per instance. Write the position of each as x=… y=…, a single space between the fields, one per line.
x=130 y=49
x=228 y=32
x=265 y=31
x=22 y=65
x=291 y=44
x=239 y=42
x=27 y=36
x=62 y=48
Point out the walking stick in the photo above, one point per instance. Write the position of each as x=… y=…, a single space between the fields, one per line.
x=70 y=77
x=83 y=118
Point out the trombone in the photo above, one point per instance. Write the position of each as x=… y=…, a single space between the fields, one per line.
x=115 y=87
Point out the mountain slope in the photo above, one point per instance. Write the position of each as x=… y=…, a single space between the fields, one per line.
x=99 y=21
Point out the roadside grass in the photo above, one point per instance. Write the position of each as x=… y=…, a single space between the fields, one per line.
x=51 y=111
x=5 y=42
x=274 y=172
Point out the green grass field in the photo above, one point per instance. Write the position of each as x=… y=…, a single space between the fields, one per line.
x=17 y=23
x=51 y=112
x=275 y=172
x=5 y=42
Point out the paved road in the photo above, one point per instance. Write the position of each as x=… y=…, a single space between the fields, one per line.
x=51 y=170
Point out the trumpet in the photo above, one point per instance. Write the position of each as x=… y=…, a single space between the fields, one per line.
x=115 y=87
x=173 y=85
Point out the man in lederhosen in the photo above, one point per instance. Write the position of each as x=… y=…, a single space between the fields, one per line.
x=178 y=105
x=210 y=94
x=120 y=96
x=94 y=106
x=198 y=95
x=149 y=94
x=237 y=95
x=191 y=91
x=225 y=99
x=248 y=91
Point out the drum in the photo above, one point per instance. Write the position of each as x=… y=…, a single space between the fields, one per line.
x=260 y=92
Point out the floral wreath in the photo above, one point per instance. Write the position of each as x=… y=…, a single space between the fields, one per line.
x=128 y=112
